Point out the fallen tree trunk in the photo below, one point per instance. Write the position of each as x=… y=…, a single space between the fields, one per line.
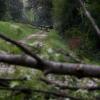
x=34 y=61
x=78 y=70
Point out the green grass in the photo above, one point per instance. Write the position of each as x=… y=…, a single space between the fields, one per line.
x=19 y=31
x=52 y=43
x=15 y=31
x=54 y=40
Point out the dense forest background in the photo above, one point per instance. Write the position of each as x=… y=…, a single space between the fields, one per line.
x=64 y=31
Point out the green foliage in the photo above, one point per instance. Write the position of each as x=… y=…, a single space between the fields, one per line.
x=87 y=46
x=67 y=17
x=2 y=8
x=15 y=8
x=66 y=14
x=70 y=22
x=51 y=44
x=30 y=15
x=59 y=7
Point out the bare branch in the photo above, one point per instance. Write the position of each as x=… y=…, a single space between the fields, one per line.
x=21 y=46
x=88 y=15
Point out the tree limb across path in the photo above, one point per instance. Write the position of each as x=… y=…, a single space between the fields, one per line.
x=78 y=70
x=33 y=61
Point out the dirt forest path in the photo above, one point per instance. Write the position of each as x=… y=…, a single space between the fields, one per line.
x=40 y=35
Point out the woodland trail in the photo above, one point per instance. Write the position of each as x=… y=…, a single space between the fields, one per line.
x=39 y=36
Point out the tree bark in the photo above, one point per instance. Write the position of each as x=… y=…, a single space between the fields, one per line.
x=78 y=70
